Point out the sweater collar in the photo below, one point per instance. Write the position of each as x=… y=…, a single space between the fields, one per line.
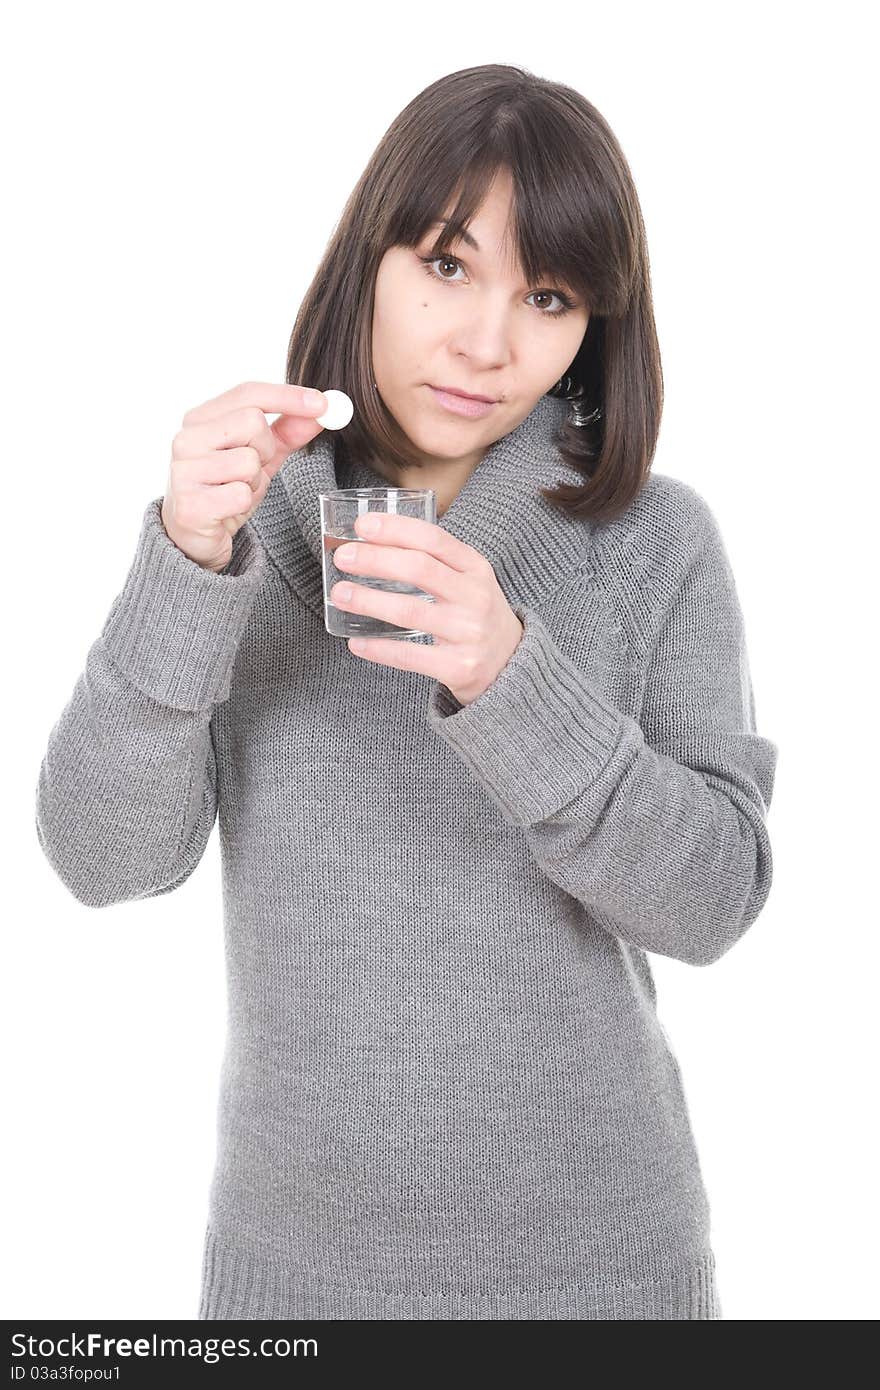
x=532 y=547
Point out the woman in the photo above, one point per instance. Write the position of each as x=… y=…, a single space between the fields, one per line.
x=446 y=1092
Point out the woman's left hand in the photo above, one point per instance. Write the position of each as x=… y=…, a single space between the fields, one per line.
x=474 y=628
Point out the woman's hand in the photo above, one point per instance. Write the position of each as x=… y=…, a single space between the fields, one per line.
x=474 y=628
x=223 y=459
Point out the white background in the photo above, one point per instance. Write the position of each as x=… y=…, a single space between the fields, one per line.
x=171 y=177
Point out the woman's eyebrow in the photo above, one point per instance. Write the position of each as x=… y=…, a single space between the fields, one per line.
x=465 y=235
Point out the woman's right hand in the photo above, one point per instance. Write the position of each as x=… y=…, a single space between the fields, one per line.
x=223 y=459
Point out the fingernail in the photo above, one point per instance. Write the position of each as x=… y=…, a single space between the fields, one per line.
x=369 y=524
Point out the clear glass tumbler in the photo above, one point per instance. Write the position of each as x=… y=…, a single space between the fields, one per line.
x=339 y=511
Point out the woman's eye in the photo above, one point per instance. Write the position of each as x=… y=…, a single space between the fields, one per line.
x=565 y=303
x=442 y=260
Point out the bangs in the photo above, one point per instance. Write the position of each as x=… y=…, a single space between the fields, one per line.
x=552 y=229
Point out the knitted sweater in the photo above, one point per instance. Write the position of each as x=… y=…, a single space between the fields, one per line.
x=446 y=1092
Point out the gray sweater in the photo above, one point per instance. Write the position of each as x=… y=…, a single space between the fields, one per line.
x=446 y=1092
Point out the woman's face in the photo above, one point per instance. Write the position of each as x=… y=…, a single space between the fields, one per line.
x=468 y=320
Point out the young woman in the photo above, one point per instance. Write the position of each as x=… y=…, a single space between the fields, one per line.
x=446 y=1092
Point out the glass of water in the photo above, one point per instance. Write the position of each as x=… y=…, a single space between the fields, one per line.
x=339 y=511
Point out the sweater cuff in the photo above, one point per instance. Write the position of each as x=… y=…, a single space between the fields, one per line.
x=538 y=735
x=175 y=628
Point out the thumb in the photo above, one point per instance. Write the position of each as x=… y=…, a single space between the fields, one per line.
x=291 y=432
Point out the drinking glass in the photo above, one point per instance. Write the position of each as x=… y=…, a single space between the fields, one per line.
x=339 y=511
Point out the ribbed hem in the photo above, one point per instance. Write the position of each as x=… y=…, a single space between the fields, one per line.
x=239 y=1285
x=538 y=735
x=175 y=628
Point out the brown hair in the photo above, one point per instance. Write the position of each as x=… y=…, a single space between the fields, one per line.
x=575 y=214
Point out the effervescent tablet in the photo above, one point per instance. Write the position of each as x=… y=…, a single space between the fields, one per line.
x=338 y=413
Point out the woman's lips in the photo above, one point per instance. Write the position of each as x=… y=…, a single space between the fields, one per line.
x=461 y=405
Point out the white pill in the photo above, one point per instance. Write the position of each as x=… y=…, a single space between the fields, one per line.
x=338 y=413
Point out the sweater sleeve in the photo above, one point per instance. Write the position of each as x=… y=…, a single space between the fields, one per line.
x=659 y=826
x=126 y=795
